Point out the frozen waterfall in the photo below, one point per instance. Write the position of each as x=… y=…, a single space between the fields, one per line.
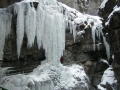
x=47 y=23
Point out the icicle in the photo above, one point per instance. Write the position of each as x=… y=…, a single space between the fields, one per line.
x=30 y=25
x=107 y=47
x=19 y=9
x=98 y=46
x=8 y=24
x=93 y=37
x=70 y=26
x=74 y=31
x=40 y=25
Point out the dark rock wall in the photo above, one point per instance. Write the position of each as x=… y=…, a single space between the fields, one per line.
x=5 y=3
x=114 y=34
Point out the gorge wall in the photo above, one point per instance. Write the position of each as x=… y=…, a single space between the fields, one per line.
x=113 y=30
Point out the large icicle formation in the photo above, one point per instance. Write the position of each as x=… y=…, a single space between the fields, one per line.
x=47 y=23
x=52 y=16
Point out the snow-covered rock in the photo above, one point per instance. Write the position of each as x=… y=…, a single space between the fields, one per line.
x=103 y=4
x=108 y=80
x=49 y=77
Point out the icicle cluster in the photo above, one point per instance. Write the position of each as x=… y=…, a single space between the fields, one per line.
x=46 y=24
x=46 y=21
x=74 y=18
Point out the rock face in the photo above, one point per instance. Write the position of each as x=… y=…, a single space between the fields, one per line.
x=114 y=34
x=85 y=6
x=5 y=3
x=81 y=52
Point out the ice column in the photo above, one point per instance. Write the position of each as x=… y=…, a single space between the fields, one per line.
x=30 y=25
x=19 y=10
x=107 y=47
x=40 y=25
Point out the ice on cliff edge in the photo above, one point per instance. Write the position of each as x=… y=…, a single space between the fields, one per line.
x=47 y=23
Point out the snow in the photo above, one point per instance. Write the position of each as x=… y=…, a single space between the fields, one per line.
x=48 y=77
x=109 y=77
x=105 y=61
x=103 y=4
x=115 y=9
